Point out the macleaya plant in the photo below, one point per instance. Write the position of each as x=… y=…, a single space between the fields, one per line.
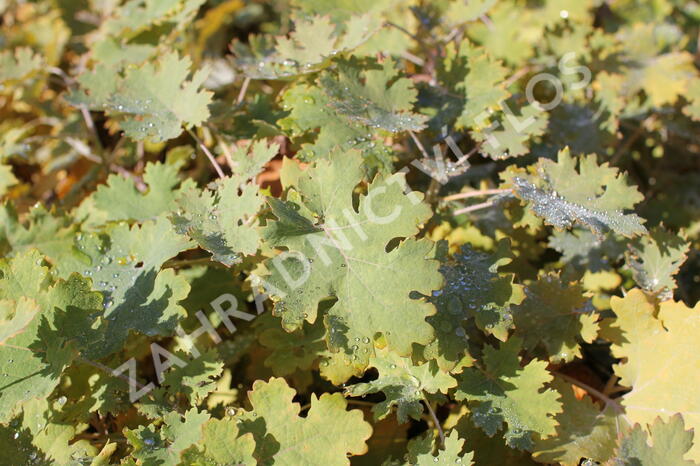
x=348 y=232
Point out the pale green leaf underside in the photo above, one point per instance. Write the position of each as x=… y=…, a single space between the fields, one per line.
x=594 y=196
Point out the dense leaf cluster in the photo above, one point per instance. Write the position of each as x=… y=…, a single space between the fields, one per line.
x=315 y=232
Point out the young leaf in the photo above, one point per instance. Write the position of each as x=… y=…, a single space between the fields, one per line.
x=222 y=444
x=125 y=267
x=309 y=48
x=474 y=72
x=325 y=436
x=670 y=443
x=195 y=380
x=506 y=392
x=403 y=384
x=655 y=259
x=347 y=108
x=221 y=220
x=383 y=101
x=508 y=136
x=153 y=101
x=165 y=446
x=556 y=315
x=451 y=454
x=472 y=280
x=121 y=200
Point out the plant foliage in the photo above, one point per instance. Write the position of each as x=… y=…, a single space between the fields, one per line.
x=314 y=232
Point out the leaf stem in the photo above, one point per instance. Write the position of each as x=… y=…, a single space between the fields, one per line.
x=638 y=132
x=85 y=112
x=610 y=385
x=419 y=144
x=483 y=192
x=242 y=92
x=436 y=422
x=472 y=208
x=597 y=393
x=434 y=186
x=209 y=155
x=404 y=30
x=227 y=154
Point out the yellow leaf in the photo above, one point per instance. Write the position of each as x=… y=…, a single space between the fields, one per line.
x=662 y=363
